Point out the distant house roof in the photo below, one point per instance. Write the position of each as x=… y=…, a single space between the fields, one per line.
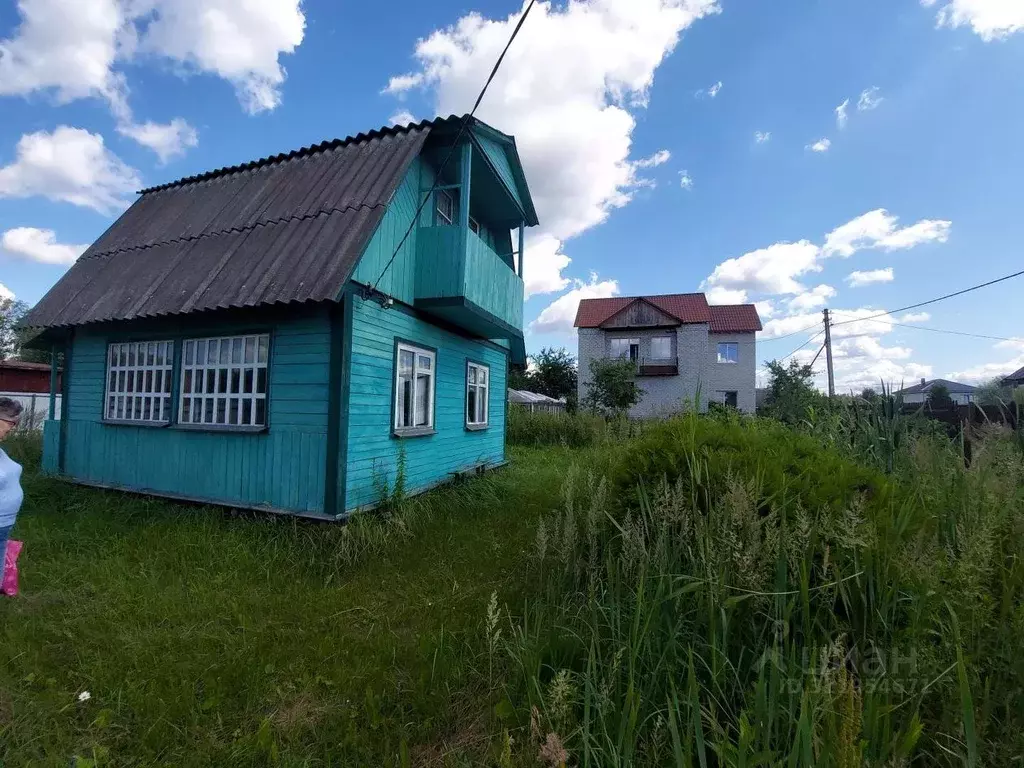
x=522 y=396
x=22 y=365
x=734 y=318
x=1016 y=376
x=286 y=228
x=684 y=307
x=954 y=387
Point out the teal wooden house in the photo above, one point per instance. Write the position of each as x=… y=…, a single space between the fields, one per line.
x=274 y=335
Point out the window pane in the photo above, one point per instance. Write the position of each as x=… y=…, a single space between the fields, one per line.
x=210 y=385
x=225 y=351
x=222 y=378
x=200 y=352
x=186 y=408
x=261 y=412
x=261 y=381
x=111 y=407
x=148 y=385
x=236 y=350
x=236 y=380
x=471 y=405
x=422 y=400
x=120 y=407
x=425 y=363
x=212 y=349
x=481 y=406
x=197 y=410
x=190 y=351
x=405 y=360
x=250 y=349
x=661 y=347
x=248 y=381
x=247 y=411
x=151 y=354
x=233 y=410
x=208 y=410
x=264 y=347
x=472 y=374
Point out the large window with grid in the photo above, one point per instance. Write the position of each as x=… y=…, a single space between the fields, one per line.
x=139 y=381
x=224 y=381
x=477 y=383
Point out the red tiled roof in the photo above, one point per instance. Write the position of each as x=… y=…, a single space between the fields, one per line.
x=734 y=318
x=21 y=365
x=684 y=307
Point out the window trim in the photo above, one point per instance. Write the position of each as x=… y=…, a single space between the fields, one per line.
x=167 y=369
x=718 y=352
x=441 y=219
x=486 y=423
x=181 y=367
x=404 y=432
x=666 y=338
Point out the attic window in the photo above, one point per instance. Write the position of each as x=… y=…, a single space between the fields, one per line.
x=224 y=381
x=445 y=204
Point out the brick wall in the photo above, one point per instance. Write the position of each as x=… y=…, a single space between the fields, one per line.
x=699 y=370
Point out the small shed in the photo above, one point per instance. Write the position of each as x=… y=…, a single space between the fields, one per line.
x=534 y=401
x=20 y=376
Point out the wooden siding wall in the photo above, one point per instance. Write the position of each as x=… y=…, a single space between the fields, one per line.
x=281 y=469
x=640 y=314
x=371 y=450
x=491 y=284
x=399 y=280
x=496 y=155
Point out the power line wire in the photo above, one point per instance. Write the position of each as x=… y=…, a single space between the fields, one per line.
x=812 y=338
x=933 y=301
x=927 y=328
x=794 y=333
x=455 y=143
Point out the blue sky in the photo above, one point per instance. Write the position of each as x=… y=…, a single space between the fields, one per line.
x=613 y=103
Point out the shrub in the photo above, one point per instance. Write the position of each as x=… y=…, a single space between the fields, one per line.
x=762 y=600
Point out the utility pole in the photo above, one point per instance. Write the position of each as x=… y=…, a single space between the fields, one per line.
x=828 y=355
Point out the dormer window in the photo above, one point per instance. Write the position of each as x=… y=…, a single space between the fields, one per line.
x=445 y=207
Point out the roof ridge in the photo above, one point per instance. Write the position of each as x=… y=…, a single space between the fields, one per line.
x=312 y=149
x=234 y=230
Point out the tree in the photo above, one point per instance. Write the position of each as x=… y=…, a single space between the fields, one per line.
x=939 y=398
x=994 y=392
x=612 y=389
x=13 y=340
x=554 y=373
x=869 y=394
x=791 y=394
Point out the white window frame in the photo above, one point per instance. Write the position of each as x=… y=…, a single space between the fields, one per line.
x=211 y=363
x=629 y=343
x=483 y=392
x=138 y=382
x=728 y=344
x=474 y=226
x=442 y=217
x=668 y=341
x=417 y=373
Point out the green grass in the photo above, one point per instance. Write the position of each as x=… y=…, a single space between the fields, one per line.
x=209 y=640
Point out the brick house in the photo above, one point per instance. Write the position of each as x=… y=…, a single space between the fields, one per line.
x=681 y=345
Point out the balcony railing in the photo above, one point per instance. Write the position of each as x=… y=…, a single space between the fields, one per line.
x=657 y=366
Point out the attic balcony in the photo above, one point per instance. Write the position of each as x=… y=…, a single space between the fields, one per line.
x=462 y=280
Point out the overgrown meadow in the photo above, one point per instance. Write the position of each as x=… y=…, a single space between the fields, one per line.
x=703 y=591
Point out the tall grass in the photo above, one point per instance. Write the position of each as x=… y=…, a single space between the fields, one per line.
x=760 y=600
x=571 y=430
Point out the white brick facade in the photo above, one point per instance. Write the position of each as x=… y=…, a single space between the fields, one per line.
x=699 y=370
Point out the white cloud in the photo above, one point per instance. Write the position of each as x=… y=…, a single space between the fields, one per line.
x=815 y=297
x=877 y=229
x=69 y=165
x=771 y=270
x=915 y=317
x=6 y=294
x=719 y=295
x=989 y=19
x=762 y=136
x=401 y=83
x=402 y=117
x=685 y=180
x=841 y=116
x=544 y=264
x=1015 y=344
x=39 y=245
x=987 y=371
x=74 y=48
x=869 y=99
x=168 y=140
x=660 y=157
x=565 y=91
x=859 y=279
x=714 y=89
x=765 y=309
x=821 y=145
x=558 y=317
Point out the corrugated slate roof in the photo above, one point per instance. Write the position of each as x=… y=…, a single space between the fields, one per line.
x=284 y=228
x=1017 y=375
x=684 y=307
x=734 y=318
